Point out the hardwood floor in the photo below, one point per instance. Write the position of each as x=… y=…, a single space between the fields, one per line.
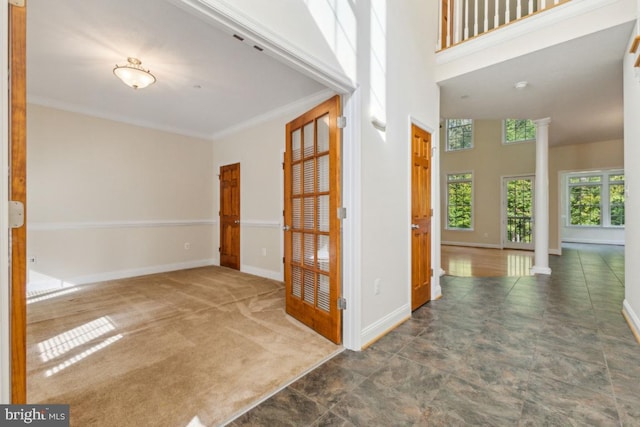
x=463 y=261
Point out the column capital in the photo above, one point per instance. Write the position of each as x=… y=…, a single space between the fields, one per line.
x=542 y=122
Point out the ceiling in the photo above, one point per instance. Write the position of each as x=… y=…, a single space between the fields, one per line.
x=207 y=81
x=210 y=82
x=578 y=84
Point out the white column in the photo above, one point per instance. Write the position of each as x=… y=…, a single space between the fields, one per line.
x=541 y=209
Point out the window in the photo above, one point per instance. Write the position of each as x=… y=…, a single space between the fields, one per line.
x=459 y=201
x=616 y=200
x=596 y=199
x=459 y=134
x=517 y=130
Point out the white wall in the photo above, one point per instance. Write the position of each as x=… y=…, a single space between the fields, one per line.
x=632 y=177
x=108 y=200
x=411 y=93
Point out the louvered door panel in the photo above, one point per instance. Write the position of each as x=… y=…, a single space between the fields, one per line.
x=312 y=241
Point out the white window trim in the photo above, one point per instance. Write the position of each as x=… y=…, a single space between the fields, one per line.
x=605 y=208
x=446 y=137
x=446 y=200
x=504 y=136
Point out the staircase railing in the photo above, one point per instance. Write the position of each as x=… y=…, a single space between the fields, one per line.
x=461 y=20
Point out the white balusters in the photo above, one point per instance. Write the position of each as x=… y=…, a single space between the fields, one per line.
x=475 y=19
x=519 y=10
x=486 y=15
x=461 y=25
x=466 y=19
x=507 y=13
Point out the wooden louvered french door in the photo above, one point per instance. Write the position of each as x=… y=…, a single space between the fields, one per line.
x=312 y=227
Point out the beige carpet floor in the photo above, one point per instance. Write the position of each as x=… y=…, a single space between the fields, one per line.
x=187 y=348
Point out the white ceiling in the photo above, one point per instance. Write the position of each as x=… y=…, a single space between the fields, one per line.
x=209 y=82
x=578 y=84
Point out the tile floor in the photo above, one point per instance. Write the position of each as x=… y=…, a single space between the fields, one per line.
x=511 y=351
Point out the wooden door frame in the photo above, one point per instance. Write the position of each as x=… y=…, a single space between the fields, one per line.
x=13 y=361
x=5 y=353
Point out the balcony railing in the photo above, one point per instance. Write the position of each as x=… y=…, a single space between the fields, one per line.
x=519 y=229
x=461 y=20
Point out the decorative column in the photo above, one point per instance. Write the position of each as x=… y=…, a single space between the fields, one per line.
x=541 y=208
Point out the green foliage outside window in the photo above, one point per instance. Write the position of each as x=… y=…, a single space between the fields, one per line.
x=517 y=130
x=616 y=200
x=459 y=201
x=459 y=134
x=596 y=200
x=585 y=205
x=519 y=210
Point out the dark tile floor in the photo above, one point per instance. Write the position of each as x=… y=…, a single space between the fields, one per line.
x=525 y=351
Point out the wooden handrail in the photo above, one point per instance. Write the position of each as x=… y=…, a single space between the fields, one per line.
x=463 y=20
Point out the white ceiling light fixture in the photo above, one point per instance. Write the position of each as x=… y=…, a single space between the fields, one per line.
x=133 y=75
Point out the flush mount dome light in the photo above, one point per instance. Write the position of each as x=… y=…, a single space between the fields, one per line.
x=133 y=75
x=521 y=85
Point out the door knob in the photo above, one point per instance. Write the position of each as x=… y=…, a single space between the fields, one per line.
x=415 y=226
x=237 y=221
x=286 y=228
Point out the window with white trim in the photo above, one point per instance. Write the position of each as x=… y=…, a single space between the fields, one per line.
x=459 y=134
x=518 y=130
x=460 y=201
x=595 y=199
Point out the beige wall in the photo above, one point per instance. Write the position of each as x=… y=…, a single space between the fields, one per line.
x=490 y=160
x=576 y=158
x=259 y=150
x=107 y=199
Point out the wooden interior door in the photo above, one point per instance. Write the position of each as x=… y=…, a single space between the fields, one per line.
x=230 y=216
x=18 y=193
x=312 y=227
x=420 y=217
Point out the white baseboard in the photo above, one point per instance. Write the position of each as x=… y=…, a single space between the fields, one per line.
x=632 y=319
x=594 y=241
x=436 y=292
x=472 y=245
x=382 y=326
x=115 y=275
x=540 y=270
x=267 y=274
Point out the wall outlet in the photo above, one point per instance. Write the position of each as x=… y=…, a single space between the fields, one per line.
x=264 y=251
x=187 y=246
x=376 y=286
